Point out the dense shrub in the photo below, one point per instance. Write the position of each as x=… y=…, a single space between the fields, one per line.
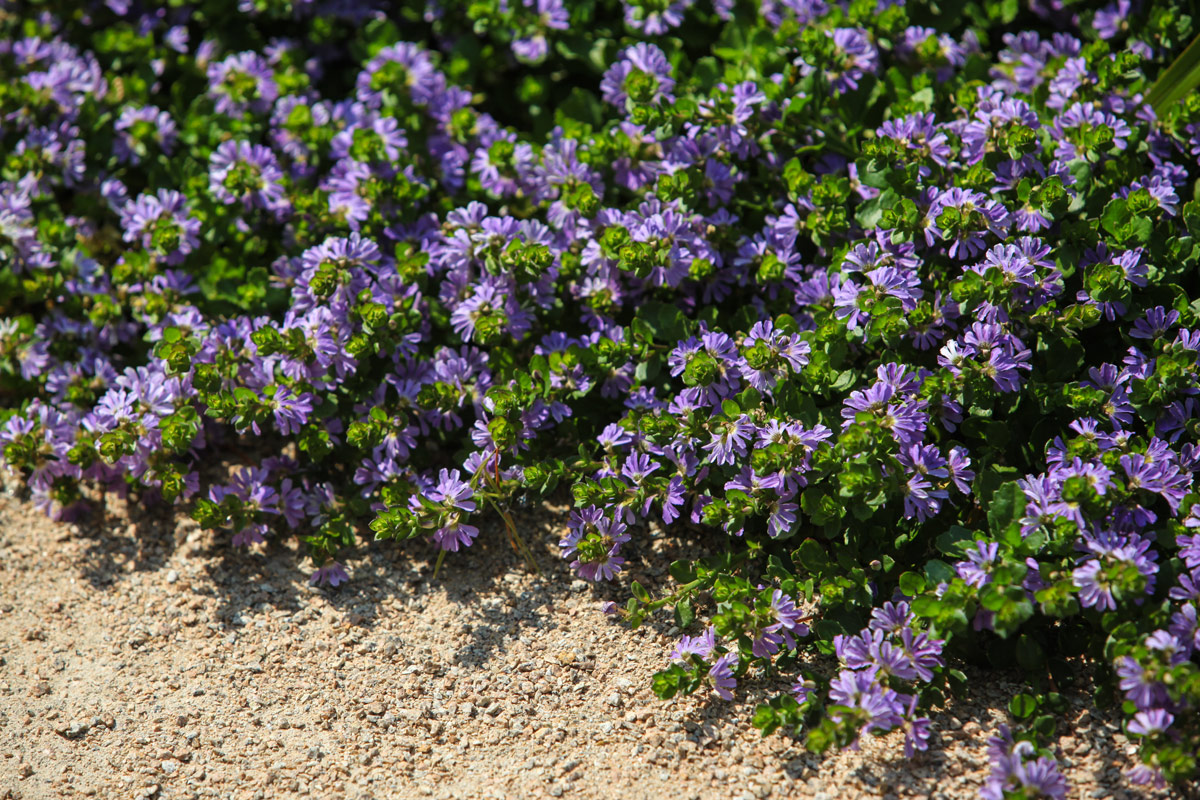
x=901 y=298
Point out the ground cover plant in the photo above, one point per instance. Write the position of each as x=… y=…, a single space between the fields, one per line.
x=900 y=299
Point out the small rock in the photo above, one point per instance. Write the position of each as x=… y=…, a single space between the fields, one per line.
x=75 y=730
x=172 y=576
x=169 y=767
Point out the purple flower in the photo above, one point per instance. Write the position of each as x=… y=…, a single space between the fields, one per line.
x=452 y=491
x=595 y=540
x=1139 y=686
x=240 y=172
x=981 y=560
x=642 y=74
x=768 y=355
x=1112 y=19
x=654 y=17
x=255 y=533
x=1015 y=770
x=490 y=310
x=711 y=363
x=455 y=535
x=919 y=133
x=1069 y=126
x=162 y=224
x=854 y=59
x=880 y=706
x=803 y=690
x=1151 y=723
x=720 y=675
x=975 y=215
x=638 y=467
x=890 y=617
x=291 y=411
x=1042 y=778
x=369 y=140
x=242 y=82
x=917 y=730
x=729 y=439
x=701 y=645
x=332 y=574
x=138 y=129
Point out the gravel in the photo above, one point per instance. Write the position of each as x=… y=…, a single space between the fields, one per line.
x=142 y=657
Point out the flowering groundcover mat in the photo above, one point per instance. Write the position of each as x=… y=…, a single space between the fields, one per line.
x=894 y=305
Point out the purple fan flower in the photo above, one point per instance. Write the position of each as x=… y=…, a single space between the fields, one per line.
x=977 y=216
x=860 y=690
x=655 y=17
x=332 y=574
x=291 y=411
x=595 y=540
x=138 y=128
x=242 y=82
x=729 y=439
x=255 y=533
x=240 y=172
x=720 y=675
x=701 y=645
x=1139 y=686
x=162 y=224
x=919 y=133
x=642 y=69
x=452 y=491
x=855 y=58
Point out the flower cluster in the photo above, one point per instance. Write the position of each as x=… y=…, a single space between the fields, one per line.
x=899 y=322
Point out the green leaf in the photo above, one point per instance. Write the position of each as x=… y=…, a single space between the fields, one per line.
x=666 y=684
x=640 y=592
x=1178 y=81
x=1030 y=654
x=811 y=556
x=1044 y=725
x=683 y=571
x=956 y=541
x=1007 y=507
x=765 y=719
x=912 y=584
x=926 y=606
x=684 y=613
x=938 y=571
x=1022 y=706
x=581 y=106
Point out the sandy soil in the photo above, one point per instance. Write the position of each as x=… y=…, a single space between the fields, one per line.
x=142 y=657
